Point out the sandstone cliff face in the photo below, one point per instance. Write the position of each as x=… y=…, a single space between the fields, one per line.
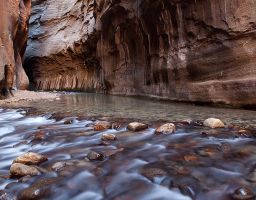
x=14 y=15
x=186 y=50
x=61 y=51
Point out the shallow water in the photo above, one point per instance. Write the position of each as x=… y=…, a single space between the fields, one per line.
x=193 y=163
x=130 y=107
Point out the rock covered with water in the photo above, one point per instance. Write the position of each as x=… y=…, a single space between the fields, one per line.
x=30 y=158
x=39 y=136
x=214 y=123
x=200 y=51
x=92 y=156
x=7 y=196
x=108 y=137
x=166 y=129
x=59 y=165
x=243 y=193
x=38 y=190
x=137 y=126
x=20 y=170
x=102 y=125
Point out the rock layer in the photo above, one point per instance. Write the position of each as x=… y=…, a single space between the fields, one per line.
x=14 y=15
x=199 y=51
x=61 y=50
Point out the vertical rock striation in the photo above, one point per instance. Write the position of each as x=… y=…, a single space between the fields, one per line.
x=186 y=50
x=14 y=15
x=61 y=50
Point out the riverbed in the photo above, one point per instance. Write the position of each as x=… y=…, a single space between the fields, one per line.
x=194 y=162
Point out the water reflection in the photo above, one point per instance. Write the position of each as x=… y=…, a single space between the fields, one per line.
x=130 y=107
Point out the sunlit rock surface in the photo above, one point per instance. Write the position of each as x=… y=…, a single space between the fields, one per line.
x=201 y=51
x=14 y=17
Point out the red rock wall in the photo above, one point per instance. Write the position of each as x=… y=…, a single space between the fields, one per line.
x=199 y=51
x=14 y=15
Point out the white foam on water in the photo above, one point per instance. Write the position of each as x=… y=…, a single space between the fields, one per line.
x=3 y=185
x=10 y=115
x=42 y=149
x=141 y=135
x=34 y=121
x=134 y=164
x=231 y=140
x=6 y=129
x=159 y=192
x=88 y=195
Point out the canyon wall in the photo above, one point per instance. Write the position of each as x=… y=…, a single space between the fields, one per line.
x=14 y=15
x=185 y=50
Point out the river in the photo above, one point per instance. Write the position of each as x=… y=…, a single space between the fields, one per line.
x=195 y=162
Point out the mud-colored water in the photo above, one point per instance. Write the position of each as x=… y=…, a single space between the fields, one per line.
x=193 y=163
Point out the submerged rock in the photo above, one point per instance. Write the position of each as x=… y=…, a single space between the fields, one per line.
x=137 y=126
x=30 y=158
x=39 y=135
x=251 y=176
x=95 y=156
x=59 y=165
x=243 y=193
x=70 y=121
x=38 y=190
x=166 y=129
x=151 y=172
x=108 y=137
x=102 y=125
x=214 y=123
x=6 y=196
x=20 y=170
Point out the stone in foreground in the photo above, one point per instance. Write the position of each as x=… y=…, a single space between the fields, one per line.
x=166 y=129
x=20 y=170
x=108 y=137
x=92 y=156
x=137 y=126
x=243 y=193
x=214 y=123
x=7 y=196
x=30 y=158
x=102 y=125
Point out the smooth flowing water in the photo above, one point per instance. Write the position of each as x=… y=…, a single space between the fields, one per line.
x=87 y=104
x=193 y=163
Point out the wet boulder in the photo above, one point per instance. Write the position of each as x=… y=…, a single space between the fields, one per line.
x=151 y=172
x=137 y=126
x=102 y=125
x=59 y=165
x=166 y=129
x=251 y=176
x=39 y=190
x=214 y=123
x=20 y=170
x=92 y=156
x=243 y=193
x=108 y=137
x=6 y=196
x=30 y=158
x=39 y=136
x=69 y=121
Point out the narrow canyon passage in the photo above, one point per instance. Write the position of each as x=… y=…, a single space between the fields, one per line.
x=127 y=99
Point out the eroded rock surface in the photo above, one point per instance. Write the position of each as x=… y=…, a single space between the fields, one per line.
x=14 y=15
x=200 y=51
x=30 y=158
